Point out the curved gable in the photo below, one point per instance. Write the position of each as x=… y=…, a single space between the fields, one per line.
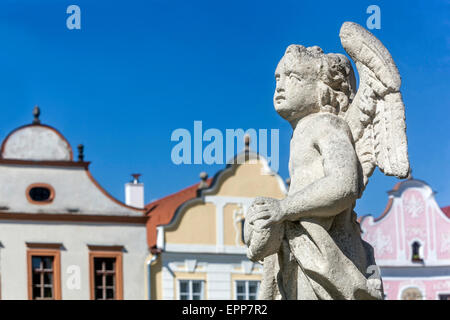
x=36 y=142
x=196 y=226
x=250 y=179
x=212 y=221
x=412 y=216
x=75 y=191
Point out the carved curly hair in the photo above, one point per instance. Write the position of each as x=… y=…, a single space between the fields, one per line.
x=335 y=74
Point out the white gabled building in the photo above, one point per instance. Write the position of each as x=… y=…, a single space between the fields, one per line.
x=61 y=235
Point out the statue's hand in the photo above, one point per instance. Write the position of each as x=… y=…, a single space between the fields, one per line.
x=263 y=232
x=265 y=212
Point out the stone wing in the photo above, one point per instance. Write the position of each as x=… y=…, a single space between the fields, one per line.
x=376 y=115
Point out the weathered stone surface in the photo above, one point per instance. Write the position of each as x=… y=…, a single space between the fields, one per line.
x=310 y=242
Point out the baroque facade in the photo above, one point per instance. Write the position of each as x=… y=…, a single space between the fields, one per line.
x=196 y=235
x=411 y=239
x=62 y=236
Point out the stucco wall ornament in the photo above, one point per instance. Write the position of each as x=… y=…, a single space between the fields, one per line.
x=310 y=242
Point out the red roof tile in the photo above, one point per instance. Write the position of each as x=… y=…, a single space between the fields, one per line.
x=446 y=210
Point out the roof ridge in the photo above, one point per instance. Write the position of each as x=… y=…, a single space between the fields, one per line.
x=176 y=193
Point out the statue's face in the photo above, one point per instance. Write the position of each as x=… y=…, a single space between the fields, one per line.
x=296 y=92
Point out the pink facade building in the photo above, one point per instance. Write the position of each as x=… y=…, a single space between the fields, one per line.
x=411 y=240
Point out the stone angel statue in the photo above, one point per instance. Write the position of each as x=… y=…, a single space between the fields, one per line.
x=310 y=243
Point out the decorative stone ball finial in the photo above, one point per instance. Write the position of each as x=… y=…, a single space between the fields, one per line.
x=203 y=177
x=136 y=177
x=80 y=152
x=36 y=114
x=247 y=142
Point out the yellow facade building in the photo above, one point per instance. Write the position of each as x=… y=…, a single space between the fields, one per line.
x=196 y=235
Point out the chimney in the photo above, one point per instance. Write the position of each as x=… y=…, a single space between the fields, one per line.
x=134 y=192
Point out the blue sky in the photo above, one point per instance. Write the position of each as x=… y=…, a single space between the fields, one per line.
x=137 y=70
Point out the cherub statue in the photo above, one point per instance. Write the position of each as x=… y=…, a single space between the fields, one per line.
x=310 y=242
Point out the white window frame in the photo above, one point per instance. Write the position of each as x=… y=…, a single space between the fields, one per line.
x=247 y=291
x=190 y=293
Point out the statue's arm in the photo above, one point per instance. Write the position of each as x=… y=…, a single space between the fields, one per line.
x=337 y=190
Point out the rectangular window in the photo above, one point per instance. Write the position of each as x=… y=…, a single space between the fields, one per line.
x=246 y=289
x=43 y=272
x=44 y=275
x=106 y=273
x=190 y=289
x=105 y=278
x=445 y=296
